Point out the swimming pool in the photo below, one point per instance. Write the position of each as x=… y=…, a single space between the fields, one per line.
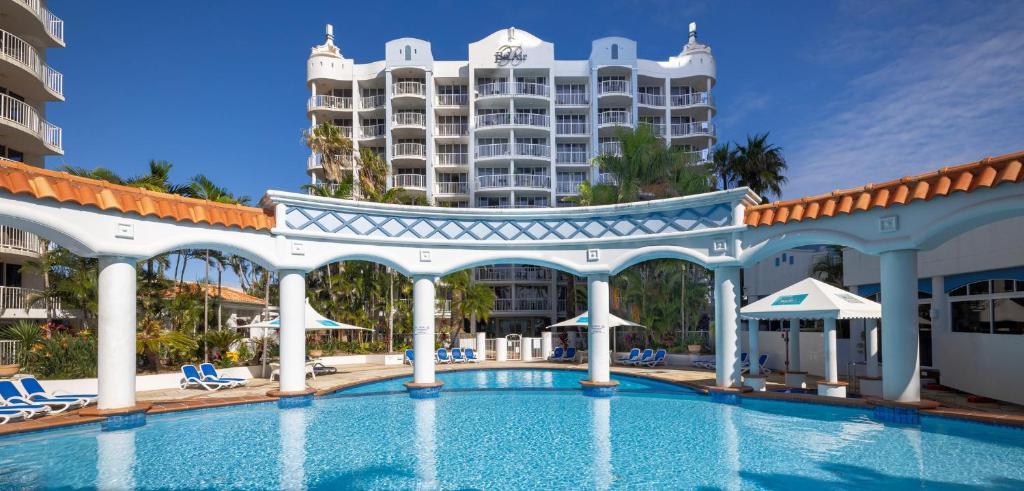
x=650 y=435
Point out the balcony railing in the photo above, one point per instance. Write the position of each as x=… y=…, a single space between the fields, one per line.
x=495 y=119
x=571 y=99
x=409 y=119
x=538 y=150
x=372 y=131
x=17 y=298
x=512 y=273
x=571 y=128
x=409 y=181
x=20 y=52
x=20 y=114
x=531 y=119
x=568 y=187
x=698 y=156
x=19 y=240
x=692 y=99
x=571 y=157
x=493 y=89
x=372 y=101
x=452 y=158
x=54 y=25
x=656 y=128
x=607 y=178
x=452 y=129
x=532 y=304
x=611 y=87
x=408 y=149
x=614 y=118
x=609 y=148
x=532 y=88
x=494 y=181
x=408 y=88
x=502 y=305
x=532 y=181
x=452 y=99
x=650 y=99
x=453 y=188
x=528 y=181
x=315 y=161
x=492 y=150
x=329 y=102
x=695 y=128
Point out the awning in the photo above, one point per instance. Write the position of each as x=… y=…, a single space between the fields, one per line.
x=314 y=322
x=583 y=320
x=812 y=299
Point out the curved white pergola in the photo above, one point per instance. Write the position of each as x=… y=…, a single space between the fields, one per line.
x=425 y=243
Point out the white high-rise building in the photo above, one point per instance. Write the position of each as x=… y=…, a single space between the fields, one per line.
x=511 y=127
x=27 y=83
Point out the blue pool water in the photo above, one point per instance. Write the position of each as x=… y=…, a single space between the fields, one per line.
x=649 y=436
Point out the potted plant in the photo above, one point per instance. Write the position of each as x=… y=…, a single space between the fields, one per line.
x=694 y=342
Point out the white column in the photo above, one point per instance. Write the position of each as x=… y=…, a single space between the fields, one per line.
x=753 y=350
x=545 y=345
x=116 y=339
x=794 y=345
x=727 y=300
x=481 y=345
x=423 y=329
x=292 y=377
x=901 y=380
x=500 y=349
x=831 y=365
x=871 y=347
x=597 y=329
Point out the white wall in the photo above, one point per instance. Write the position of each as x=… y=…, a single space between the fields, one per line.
x=812 y=351
x=991 y=365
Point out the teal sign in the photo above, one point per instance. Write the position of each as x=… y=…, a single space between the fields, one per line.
x=584 y=320
x=790 y=299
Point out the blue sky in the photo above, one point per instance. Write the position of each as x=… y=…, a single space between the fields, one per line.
x=853 y=92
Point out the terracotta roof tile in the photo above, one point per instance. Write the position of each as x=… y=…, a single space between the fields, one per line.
x=986 y=173
x=18 y=178
x=230 y=294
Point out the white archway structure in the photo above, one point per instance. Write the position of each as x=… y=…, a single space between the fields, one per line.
x=721 y=230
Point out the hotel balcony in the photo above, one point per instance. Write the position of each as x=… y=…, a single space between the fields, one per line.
x=533 y=151
x=494 y=119
x=506 y=89
x=512 y=273
x=656 y=128
x=329 y=103
x=608 y=119
x=567 y=188
x=571 y=99
x=524 y=181
x=452 y=159
x=692 y=99
x=522 y=305
x=34 y=134
x=532 y=89
x=613 y=87
x=315 y=161
x=450 y=188
x=15 y=303
x=698 y=156
x=570 y=129
x=16 y=241
x=451 y=129
x=371 y=102
x=372 y=131
x=571 y=158
x=408 y=89
x=408 y=150
x=415 y=182
x=41 y=22
x=27 y=73
x=409 y=119
x=695 y=128
x=609 y=148
x=451 y=100
x=607 y=178
x=653 y=100
x=493 y=89
x=532 y=120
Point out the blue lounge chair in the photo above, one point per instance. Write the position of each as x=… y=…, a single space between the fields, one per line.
x=557 y=354
x=409 y=355
x=761 y=360
x=659 y=359
x=712 y=363
x=442 y=356
x=12 y=414
x=35 y=390
x=471 y=356
x=457 y=356
x=647 y=356
x=570 y=355
x=628 y=360
x=191 y=377
x=210 y=372
x=14 y=399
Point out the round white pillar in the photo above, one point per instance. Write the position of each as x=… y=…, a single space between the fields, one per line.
x=901 y=379
x=753 y=350
x=423 y=329
x=116 y=333
x=500 y=349
x=481 y=345
x=794 y=345
x=871 y=347
x=545 y=345
x=292 y=377
x=598 y=360
x=727 y=300
x=831 y=364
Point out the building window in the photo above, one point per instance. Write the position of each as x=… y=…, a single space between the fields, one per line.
x=408 y=53
x=615 y=51
x=989 y=306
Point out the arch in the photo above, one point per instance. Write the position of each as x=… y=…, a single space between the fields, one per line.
x=511 y=258
x=363 y=256
x=662 y=252
x=774 y=244
x=235 y=248
x=965 y=219
x=53 y=232
x=615 y=51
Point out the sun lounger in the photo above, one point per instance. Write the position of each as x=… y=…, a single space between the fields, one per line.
x=33 y=388
x=761 y=360
x=634 y=354
x=570 y=355
x=659 y=359
x=13 y=397
x=471 y=356
x=442 y=356
x=191 y=376
x=556 y=355
x=11 y=415
x=409 y=355
x=210 y=371
x=457 y=356
x=645 y=357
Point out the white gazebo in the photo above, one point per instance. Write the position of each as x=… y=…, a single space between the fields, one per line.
x=810 y=299
x=582 y=321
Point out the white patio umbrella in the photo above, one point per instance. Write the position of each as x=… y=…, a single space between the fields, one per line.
x=812 y=299
x=583 y=320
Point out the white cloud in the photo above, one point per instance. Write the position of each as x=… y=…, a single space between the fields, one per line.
x=941 y=92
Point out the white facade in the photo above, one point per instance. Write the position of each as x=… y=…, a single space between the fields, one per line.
x=27 y=84
x=510 y=127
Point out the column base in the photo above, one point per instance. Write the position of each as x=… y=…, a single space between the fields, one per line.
x=295 y=398
x=906 y=413
x=423 y=391
x=796 y=379
x=756 y=382
x=124 y=418
x=832 y=389
x=598 y=389
x=870 y=386
x=727 y=395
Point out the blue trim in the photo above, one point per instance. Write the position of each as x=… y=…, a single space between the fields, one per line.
x=292 y=402
x=123 y=421
x=424 y=392
x=955 y=281
x=599 y=391
x=731 y=398
x=897 y=415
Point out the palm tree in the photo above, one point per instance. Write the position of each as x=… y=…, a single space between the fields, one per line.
x=468 y=299
x=595 y=194
x=829 y=266
x=723 y=165
x=760 y=166
x=644 y=160
x=331 y=146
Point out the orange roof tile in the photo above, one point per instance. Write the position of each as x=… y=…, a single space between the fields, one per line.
x=18 y=178
x=986 y=173
x=229 y=294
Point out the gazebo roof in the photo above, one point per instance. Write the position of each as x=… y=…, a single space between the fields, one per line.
x=812 y=299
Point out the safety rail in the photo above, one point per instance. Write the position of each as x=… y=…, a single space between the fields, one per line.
x=656 y=128
x=453 y=188
x=452 y=129
x=609 y=148
x=532 y=150
x=20 y=240
x=493 y=150
x=329 y=102
x=372 y=101
x=409 y=118
x=692 y=99
x=17 y=298
x=493 y=119
x=493 y=89
x=315 y=161
x=408 y=88
x=21 y=114
x=611 y=87
x=534 y=181
x=54 y=25
x=614 y=118
x=568 y=187
x=646 y=99
x=531 y=119
x=452 y=99
x=532 y=88
x=573 y=128
x=452 y=158
x=571 y=99
x=20 y=52
x=408 y=149
x=571 y=157
x=372 y=131
x=696 y=128
x=409 y=181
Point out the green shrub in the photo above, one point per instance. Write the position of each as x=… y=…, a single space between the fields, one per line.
x=65 y=356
